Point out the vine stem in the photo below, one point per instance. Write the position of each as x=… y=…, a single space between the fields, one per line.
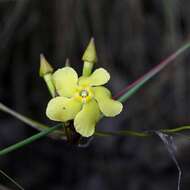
x=49 y=130
x=174 y=130
x=141 y=133
x=98 y=133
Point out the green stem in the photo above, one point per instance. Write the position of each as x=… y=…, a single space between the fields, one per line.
x=135 y=86
x=140 y=133
x=35 y=124
x=24 y=119
x=48 y=130
x=30 y=139
x=49 y=82
x=122 y=133
x=174 y=130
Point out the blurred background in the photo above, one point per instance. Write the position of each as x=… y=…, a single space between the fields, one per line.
x=131 y=37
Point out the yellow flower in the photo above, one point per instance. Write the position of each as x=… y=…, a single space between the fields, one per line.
x=82 y=99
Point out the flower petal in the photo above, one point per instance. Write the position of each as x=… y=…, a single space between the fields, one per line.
x=62 y=109
x=98 y=77
x=65 y=80
x=84 y=81
x=86 y=119
x=108 y=106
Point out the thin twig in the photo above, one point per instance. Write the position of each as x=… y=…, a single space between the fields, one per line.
x=10 y=179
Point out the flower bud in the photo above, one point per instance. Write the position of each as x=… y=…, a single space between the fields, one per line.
x=90 y=52
x=45 y=67
x=46 y=71
x=89 y=57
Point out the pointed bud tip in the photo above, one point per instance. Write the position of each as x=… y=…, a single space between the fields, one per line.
x=90 y=52
x=45 y=67
x=67 y=62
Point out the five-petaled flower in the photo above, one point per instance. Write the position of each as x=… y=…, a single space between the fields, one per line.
x=82 y=99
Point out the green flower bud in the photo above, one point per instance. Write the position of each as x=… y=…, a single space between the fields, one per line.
x=46 y=71
x=90 y=52
x=89 y=58
x=45 y=67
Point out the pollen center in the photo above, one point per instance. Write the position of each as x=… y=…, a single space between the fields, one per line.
x=84 y=93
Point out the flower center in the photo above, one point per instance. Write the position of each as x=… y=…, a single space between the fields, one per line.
x=84 y=93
